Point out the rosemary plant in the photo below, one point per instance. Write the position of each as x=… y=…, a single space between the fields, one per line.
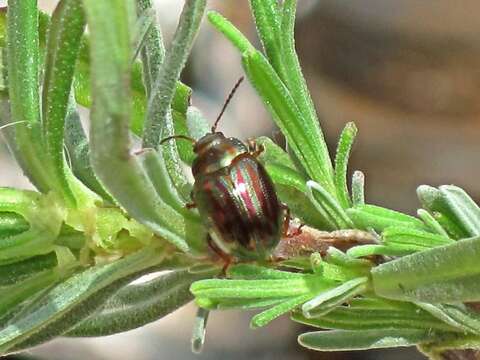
x=105 y=214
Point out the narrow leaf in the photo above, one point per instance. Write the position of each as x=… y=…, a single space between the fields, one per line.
x=330 y=205
x=18 y=271
x=23 y=85
x=431 y=222
x=78 y=153
x=358 y=188
x=407 y=236
x=73 y=300
x=466 y=211
x=230 y=31
x=453 y=316
x=120 y=172
x=378 y=218
x=279 y=101
x=164 y=90
x=161 y=74
x=352 y=318
x=341 y=162
x=267 y=316
x=344 y=340
x=64 y=35
x=330 y=299
x=297 y=85
x=267 y=21
x=444 y=274
x=12 y=224
x=136 y=305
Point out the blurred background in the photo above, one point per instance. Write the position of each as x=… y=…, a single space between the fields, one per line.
x=405 y=71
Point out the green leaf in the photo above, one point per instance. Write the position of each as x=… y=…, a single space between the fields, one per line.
x=341 y=162
x=435 y=201
x=328 y=206
x=387 y=250
x=39 y=238
x=431 y=223
x=230 y=31
x=402 y=235
x=358 y=188
x=120 y=172
x=157 y=171
x=64 y=35
x=12 y=224
x=467 y=213
x=161 y=86
x=267 y=21
x=16 y=297
x=82 y=77
x=329 y=300
x=78 y=153
x=145 y=19
x=378 y=218
x=73 y=300
x=444 y=274
x=252 y=272
x=212 y=293
x=278 y=100
x=165 y=84
x=267 y=316
x=345 y=340
x=18 y=271
x=311 y=150
x=337 y=257
x=189 y=222
x=153 y=51
x=136 y=305
x=23 y=85
x=244 y=304
x=374 y=317
x=216 y=288
x=185 y=148
x=273 y=154
x=298 y=86
x=457 y=316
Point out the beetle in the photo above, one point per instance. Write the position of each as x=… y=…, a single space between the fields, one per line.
x=235 y=196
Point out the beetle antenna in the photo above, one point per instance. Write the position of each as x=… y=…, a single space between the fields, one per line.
x=230 y=96
x=193 y=141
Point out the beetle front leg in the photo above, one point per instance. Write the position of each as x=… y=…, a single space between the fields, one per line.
x=254 y=149
x=227 y=259
x=191 y=205
x=286 y=223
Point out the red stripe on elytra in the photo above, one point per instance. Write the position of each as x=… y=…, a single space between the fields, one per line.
x=243 y=192
x=260 y=189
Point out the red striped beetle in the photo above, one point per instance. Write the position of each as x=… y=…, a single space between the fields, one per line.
x=235 y=196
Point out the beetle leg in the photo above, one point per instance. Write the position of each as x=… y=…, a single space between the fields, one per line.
x=227 y=259
x=191 y=205
x=286 y=220
x=254 y=149
x=286 y=224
